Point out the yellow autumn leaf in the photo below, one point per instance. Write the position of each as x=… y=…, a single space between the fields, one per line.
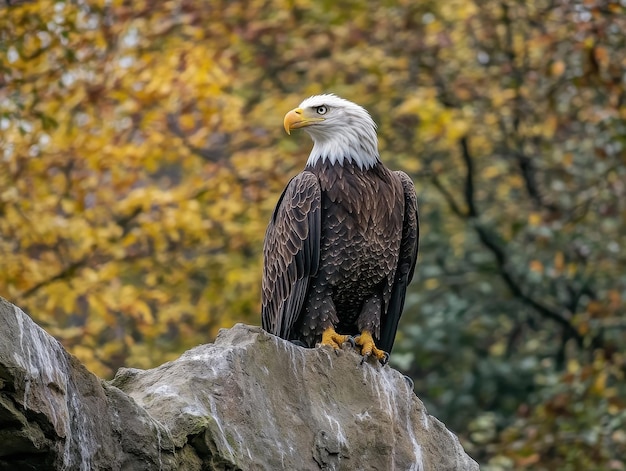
x=534 y=219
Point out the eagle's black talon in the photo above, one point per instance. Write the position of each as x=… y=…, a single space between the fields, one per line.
x=364 y=358
x=385 y=359
x=351 y=341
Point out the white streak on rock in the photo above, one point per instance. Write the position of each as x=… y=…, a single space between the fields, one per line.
x=45 y=365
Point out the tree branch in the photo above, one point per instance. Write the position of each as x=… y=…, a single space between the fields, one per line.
x=67 y=272
x=209 y=154
x=447 y=196
x=469 y=179
x=489 y=241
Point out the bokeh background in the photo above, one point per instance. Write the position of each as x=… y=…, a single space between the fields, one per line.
x=142 y=152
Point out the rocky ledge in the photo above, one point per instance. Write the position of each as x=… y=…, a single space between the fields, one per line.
x=249 y=401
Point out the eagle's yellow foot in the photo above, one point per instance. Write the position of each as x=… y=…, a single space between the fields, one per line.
x=369 y=348
x=335 y=340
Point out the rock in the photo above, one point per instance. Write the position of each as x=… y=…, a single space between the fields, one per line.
x=250 y=401
x=54 y=414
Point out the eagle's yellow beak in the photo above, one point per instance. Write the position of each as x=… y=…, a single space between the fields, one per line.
x=296 y=119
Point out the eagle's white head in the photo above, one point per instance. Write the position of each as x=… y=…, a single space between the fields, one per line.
x=341 y=130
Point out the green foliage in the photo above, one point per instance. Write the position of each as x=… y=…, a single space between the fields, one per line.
x=142 y=154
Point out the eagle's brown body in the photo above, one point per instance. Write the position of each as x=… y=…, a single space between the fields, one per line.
x=359 y=217
x=339 y=252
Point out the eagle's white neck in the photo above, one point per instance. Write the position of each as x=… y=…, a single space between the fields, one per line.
x=357 y=145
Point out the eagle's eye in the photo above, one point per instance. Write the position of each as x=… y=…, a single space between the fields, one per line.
x=321 y=109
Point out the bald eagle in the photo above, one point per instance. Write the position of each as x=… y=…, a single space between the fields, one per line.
x=341 y=245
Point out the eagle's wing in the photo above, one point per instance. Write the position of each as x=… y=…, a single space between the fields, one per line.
x=291 y=254
x=406 y=264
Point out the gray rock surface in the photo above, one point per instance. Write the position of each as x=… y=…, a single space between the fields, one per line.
x=250 y=401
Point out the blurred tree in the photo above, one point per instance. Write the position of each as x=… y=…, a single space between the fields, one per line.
x=126 y=211
x=143 y=153
x=534 y=279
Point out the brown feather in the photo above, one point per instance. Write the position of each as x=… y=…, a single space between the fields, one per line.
x=349 y=237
